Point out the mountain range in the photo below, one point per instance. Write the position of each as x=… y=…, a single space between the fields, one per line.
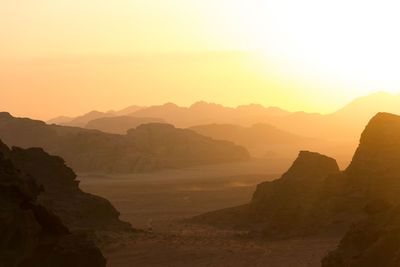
x=148 y=147
x=343 y=124
x=266 y=132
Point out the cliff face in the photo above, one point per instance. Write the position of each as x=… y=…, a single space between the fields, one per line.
x=78 y=210
x=286 y=205
x=375 y=167
x=374 y=177
x=31 y=235
x=149 y=147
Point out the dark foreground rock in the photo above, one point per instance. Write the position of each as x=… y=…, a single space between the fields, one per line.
x=78 y=210
x=31 y=234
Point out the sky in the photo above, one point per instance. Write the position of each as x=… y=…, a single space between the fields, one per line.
x=61 y=57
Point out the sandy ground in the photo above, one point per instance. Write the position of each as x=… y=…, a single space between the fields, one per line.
x=158 y=201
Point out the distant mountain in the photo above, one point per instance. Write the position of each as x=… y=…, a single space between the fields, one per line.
x=342 y=125
x=60 y=120
x=262 y=140
x=119 y=124
x=366 y=106
x=81 y=121
x=206 y=113
x=148 y=147
x=199 y=113
x=127 y=110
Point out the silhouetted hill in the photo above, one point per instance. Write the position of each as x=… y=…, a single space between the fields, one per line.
x=149 y=147
x=31 y=234
x=119 y=124
x=262 y=140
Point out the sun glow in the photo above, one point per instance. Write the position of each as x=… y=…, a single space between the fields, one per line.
x=350 y=43
x=305 y=55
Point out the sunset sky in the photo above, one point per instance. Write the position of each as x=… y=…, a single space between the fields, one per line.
x=60 y=57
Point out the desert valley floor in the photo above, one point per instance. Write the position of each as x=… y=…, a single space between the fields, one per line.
x=159 y=201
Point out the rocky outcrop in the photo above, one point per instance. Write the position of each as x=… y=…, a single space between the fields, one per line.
x=373 y=179
x=315 y=197
x=147 y=148
x=76 y=209
x=119 y=124
x=32 y=235
x=375 y=167
x=286 y=206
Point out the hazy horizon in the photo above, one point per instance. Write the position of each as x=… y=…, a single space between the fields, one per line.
x=105 y=108
x=73 y=57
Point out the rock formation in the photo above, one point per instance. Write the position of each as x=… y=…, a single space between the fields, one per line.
x=286 y=205
x=149 y=147
x=373 y=178
x=283 y=207
x=31 y=234
x=77 y=210
x=315 y=197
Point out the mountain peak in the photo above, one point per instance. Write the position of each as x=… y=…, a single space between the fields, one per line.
x=203 y=104
x=379 y=148
x=312 y=164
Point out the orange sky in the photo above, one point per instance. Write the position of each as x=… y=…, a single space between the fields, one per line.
x=69 y=57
